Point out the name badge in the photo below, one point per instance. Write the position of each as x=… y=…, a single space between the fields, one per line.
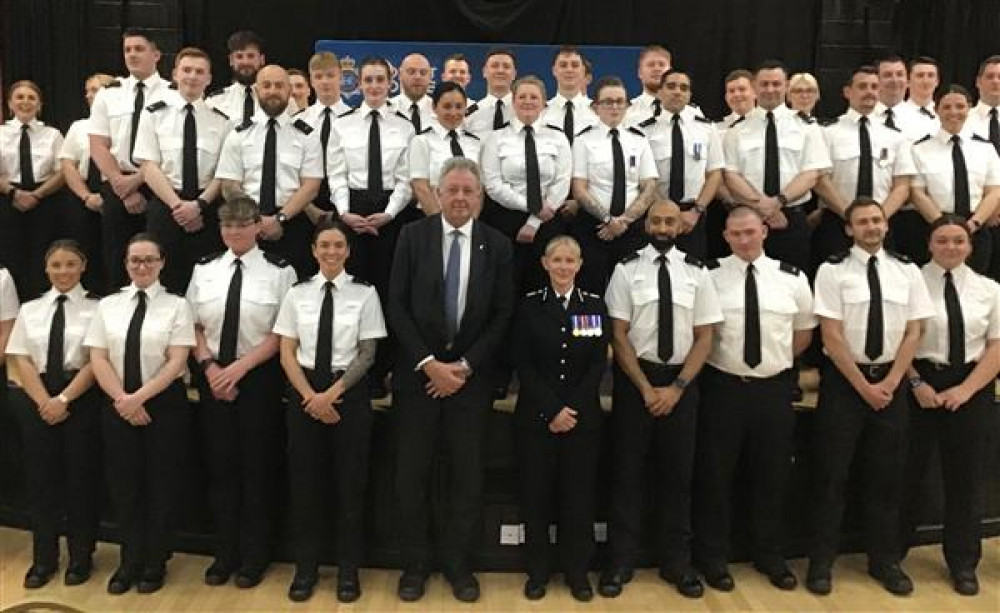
x=883 y=157
x=586 y=325
x=697 y=152
x=631 y=161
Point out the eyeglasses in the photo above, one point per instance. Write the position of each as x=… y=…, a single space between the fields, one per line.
x=613 y=102
x=136 y=261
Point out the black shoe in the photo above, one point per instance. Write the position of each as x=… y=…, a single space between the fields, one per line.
x=686 y=582
x=38 y=575
x=120 y=582
x=302 y=587
x=819 y=582
x=348 y=584
x=580 y=589
x=464 y=586
x=718 y=578
x=613 y=581
x=217 y=574
x=534 y=589
x=412 y=586
x=966 y=584
x=893 y=579
x=247 y=578
x=78 y=573
x=778 y=574
x=151 y=580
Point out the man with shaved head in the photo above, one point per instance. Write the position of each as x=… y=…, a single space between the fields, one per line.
x=413 y=101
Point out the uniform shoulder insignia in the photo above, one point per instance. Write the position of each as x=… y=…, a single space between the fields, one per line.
x=899 y=256
x=980 y=138
x=837 y=258
x=504 y=125
x=894 y=128
x=215 y=110
x=690 y=259
x=806 y=118
x=924 y=111
x=426 y=130
x=469 y=134
x=115 y=83
x=553 y=127
x=741 y=119
x=826 y=122
x=360 y=281
x=277 y=260
x=92 y=296
x=298 y=112
x=302 y=126
x=635 y=130
x=156 y=106
x=590 y=295
x=585 y=130
x=471 y=109
x=786 y=267
x=346 y=113
x=211 y=256
x=702 y=119
x=215 y=92
x=244 y=126
x=628 y=258
x=533 y=293
x=923 y=140
x=401 y=116
x=712 y=263
x=647 y=122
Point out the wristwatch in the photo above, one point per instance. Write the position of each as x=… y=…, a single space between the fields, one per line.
x=62 y=398
x=915 y=382
x=681 y=382
x=282 y=218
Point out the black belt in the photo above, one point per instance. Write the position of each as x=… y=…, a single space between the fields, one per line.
x=927 y=365
x=715 y=372
x=794 y=208
x=875 y=371
x=369 y=195
x=687 y=205
x=648 y=365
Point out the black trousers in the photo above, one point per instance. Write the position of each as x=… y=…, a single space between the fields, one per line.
x=994 y=267
x=715 y=222
x=84 y=226
x=24 y=238
x=961 y=439
x=62 y=465
x=827 y=239
x=844 y=425
x=183 y=248
x=600 y=257
x=117 y=227
x=243 y=442
x=752 y=420
x=294 y=246
x=425 y=428
x=909 y=235
x=791 y=243
x=558 y=481
x=671 y=439
x=144 y=467
x=317 y=454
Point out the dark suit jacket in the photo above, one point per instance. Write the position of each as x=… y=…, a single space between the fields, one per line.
x=416 y=300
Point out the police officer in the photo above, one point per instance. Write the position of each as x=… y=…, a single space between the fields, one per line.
x=178 y=146
x=413 y=101
x=277 y=161
x=235 y=297
x=139 y=341
x=869 y=160
x=456 y=69
x=570 y=108
x=692 y=178
x=329 y=328
x=746 y=403
x=562 y=340
x=870 y=303
x=613 y=198
x=299 y=85
x=31 y=182
x=239 y=100
x=494 y=111
x=663 y=306
x=654 y=60
x=57 y=408
x=952 y=386
x=114 y=128
x=740 y=96
x=984 y=121
x=773 y=159
x=923 y=82
x=957 y=171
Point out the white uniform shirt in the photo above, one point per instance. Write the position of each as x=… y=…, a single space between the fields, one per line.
x=9 y=304
x=430 y=149
x=479 y=115
x=633 y=295
x=593 y=160
x=264 y=287
x=46 y=142
x=357 y=316
x=642 y=108
x=111 y=114
x=909 y=120
x=800 y=148
x=299 y=156
x=978 y=121
x=30 y=336
x=505 y=169
x=583 y=114
x=76 y=146
x=347 y=156
x=702 y=150
x=425 y=106
x=785 y=305
x=890 y=155
x=161 y=138
x=980 y=300
x=842 y=293
x=230 y=100
x=313 y=114
x=935 y=170
x=167 y=324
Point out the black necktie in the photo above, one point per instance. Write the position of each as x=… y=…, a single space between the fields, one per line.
x=772 y=175
x=231 y=319
x=568 y=121
x=873 y=335
x=133 y=352
x=498 y=115
x=93 y=176
x=415 y=117
x=956 y=325
x=563 y=301
x=55 y=376
x=248 y=105
x=864 y=189
x=676 y=161
x=532 y=174
x=324 y=338
x=456 y=148
x=374 y=157
x=994 y=130
x=962 y=198
x=140 y=101
x=618 y=177
x=657 y=108
x=268 y=177
x=890 y=122
x=24 y=153
x=324 y=134
x=665 y=321
x=189 y=174
x=751 y=326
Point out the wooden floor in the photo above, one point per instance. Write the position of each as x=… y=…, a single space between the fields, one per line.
x=853 y=590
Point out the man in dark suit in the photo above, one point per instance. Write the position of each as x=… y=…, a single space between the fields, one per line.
x=450 y=299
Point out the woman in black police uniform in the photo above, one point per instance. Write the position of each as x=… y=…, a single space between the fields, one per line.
x=952 y=391
x=562 y=340
x=56 y=406
x=329 y=327
x=139 y=341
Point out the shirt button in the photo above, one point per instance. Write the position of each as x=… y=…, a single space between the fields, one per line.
x=564 y=345
x=562 y=376
x=562 y=329
x=562 y=361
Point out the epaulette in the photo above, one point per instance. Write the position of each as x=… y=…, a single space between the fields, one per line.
x=298 y=112
x=173 y=292
x=211 y=256
x=899 y=256
x=635 y=130
x=647 y=122
x=220 y=113
x=585 y=130
x=472 y=109
x=402 y=116
x=156 y=106
x=702 y=119
x=712 y=263
x=92 y=296
x=115 y=83
x=426 y=130
x=928 y=113
x=690 y=259
x=244 y=126
x=215 y=92
x=303 y=127
x=837 y=258
x=806 y=118
x=590 y=295
x=628 y=258
x=786 y=267
x=504 y=125
x=738 y=121
x=553 y=127
x=346 y=113
x=895 y=128
x=826 y=122
x=923 y=140
x=533 y=293
x=172 y=86
x=360 y=281
x=469 y=134
x=277 y=260
x=981 y=139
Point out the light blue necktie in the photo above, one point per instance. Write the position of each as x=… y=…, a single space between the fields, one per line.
x=452 y=276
